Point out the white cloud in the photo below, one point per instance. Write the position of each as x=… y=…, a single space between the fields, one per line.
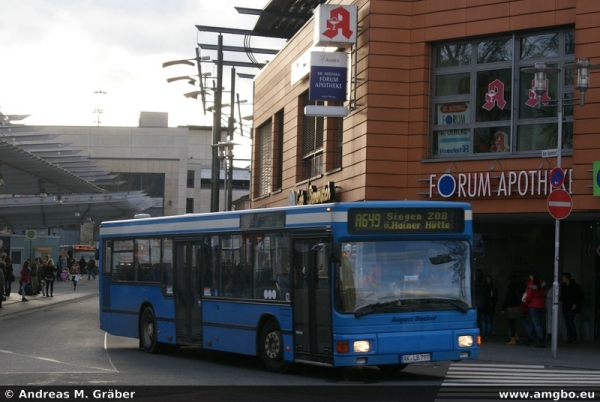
x=57 y=53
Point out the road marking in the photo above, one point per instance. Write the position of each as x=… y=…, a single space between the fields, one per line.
x=8 y=352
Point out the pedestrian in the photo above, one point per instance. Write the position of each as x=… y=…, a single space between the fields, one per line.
x=2 y=281
x=33 y=273
x=10 y=276
x=535 y=299
x=25 y=279
x=58 y=267
x=49 y=278
x=82 y=264
x=490 y=309
x=481 y=296
x=512 y=305
x=91 y=268
x=571 y=297
x=42 y=276
x=76 y=279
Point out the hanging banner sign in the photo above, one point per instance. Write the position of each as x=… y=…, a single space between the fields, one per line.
x=328 y=76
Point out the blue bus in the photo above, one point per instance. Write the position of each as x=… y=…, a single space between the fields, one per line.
x=381 y=283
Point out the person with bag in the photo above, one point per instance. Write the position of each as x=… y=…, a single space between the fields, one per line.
x=76 y=279
x=535 y=299
x=571 y=297
x=512 y=306
x=49 y=278
x=25 y=279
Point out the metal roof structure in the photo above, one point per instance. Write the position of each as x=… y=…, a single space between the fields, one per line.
x=281 y=18
x=67 y=210
x=45 y=183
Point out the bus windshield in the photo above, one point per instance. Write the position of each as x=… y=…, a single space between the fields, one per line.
x=403 y=276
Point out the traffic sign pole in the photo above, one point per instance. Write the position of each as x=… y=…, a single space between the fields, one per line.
x=555 y=285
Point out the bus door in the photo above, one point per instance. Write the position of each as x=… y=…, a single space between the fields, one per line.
x=188 y=290
x=312 y=300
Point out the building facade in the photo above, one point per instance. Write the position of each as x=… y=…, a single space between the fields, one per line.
x=441 y=109
x=172 y=164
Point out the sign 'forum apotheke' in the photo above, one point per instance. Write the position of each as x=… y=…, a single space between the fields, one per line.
x=501 y=184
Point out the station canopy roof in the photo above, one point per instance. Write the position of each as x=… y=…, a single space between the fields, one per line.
x=43 y=183
x=282 y=18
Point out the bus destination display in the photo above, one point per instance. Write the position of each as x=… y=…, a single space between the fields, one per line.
x=405 y=220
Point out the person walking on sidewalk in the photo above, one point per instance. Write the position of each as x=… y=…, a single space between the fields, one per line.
x=571 y=297
x=25 y=279
x=91 y=268
x=535 y=299
x=49 y=277
x=76 y=279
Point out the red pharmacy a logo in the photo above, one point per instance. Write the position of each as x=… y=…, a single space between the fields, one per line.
x=338 y=23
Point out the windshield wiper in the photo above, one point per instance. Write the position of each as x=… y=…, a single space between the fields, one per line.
x=373 y=308
x=453 y=302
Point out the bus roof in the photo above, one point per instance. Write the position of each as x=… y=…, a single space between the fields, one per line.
x=295 y=216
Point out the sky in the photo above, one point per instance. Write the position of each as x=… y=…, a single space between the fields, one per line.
x=58 y=54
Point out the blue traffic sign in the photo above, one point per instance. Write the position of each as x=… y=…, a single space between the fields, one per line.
x=557 y=177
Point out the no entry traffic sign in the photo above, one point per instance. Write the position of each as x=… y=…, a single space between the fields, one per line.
x=560 y=204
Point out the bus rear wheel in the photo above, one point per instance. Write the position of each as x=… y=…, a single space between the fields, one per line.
x=271 y=348
x=148 y=331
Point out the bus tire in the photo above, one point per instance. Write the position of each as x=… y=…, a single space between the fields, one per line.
x=392 y=368
x=271 y=348
x=148 y=331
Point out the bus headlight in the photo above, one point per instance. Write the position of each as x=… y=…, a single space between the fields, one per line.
x=362 y=346
x=465 y=341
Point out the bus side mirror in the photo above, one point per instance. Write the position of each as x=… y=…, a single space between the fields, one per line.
x=478 y=249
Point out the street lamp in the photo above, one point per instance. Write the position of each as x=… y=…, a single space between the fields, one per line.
x=225 y=150
x=98 y=111
x=540 y=70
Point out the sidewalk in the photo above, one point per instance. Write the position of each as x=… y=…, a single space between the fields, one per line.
x=63 y=293
x=585 y=355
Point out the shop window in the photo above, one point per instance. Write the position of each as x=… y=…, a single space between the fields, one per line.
x=279 y=147
x=312 y=141
x=264 y=159
x=476 y=111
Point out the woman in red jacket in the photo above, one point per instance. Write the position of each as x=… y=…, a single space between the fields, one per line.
x=25 y=278
x=535 y=299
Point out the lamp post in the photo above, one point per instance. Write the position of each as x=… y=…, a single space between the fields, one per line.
x=98 y=111
x=540 y=70
x=225 y=151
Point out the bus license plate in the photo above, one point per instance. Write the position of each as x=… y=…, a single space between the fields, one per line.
x=423 y=357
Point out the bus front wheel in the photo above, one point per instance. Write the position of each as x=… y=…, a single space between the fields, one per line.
x=148 y=331
x=271 y=348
